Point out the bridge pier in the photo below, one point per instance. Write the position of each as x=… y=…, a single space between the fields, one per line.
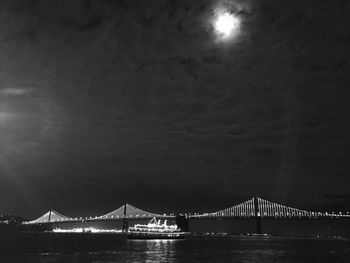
x=125 y=225
x=258 y=225
x=183 y=223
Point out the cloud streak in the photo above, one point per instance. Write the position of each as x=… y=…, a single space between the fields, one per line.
x=16 y=91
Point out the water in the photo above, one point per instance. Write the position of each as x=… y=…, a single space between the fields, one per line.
x=209 y=249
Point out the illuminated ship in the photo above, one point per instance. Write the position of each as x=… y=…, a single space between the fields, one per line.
x=155 y=230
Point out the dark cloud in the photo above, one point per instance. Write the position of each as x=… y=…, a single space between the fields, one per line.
x=137 y=101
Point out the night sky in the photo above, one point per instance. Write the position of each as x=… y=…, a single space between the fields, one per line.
x=105 y=102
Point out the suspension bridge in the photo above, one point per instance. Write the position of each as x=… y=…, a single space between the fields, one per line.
x=256 y=207
x=126 y=211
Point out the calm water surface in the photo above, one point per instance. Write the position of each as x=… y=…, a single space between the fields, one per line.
x=211 y=249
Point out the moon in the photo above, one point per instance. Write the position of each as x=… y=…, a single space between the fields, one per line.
x=226 y=25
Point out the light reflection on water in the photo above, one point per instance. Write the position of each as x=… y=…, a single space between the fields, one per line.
x=228 y=249
x=153 y=250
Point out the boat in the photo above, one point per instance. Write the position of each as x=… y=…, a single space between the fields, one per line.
x=156 y=230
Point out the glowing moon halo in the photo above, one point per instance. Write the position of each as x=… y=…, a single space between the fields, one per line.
x=226 y=24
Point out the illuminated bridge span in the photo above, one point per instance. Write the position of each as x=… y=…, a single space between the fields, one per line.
x=258 y=207
x=126 y=211
x=50 y=216
x=130 y=212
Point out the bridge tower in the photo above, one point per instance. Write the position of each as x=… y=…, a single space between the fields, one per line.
x=257 y=216
x=49 y=215
x=125 y=220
